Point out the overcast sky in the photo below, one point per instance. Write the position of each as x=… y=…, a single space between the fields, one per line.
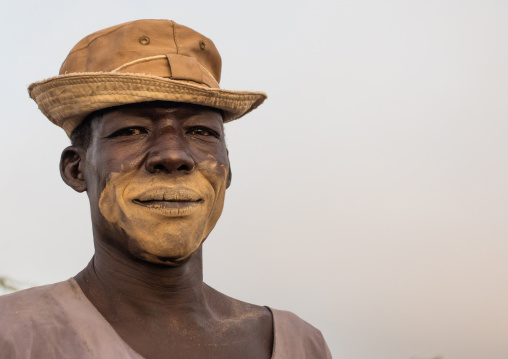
x=369 y=192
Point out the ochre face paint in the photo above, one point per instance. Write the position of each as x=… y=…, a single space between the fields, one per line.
x=165 y=218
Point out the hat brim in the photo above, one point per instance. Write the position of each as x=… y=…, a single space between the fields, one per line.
x=67 y=99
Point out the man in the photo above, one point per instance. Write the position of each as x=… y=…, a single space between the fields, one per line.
x=143 y=108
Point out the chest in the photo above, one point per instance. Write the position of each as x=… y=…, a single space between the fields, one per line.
x=215 y=340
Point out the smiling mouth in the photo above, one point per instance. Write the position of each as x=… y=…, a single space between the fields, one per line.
x=170 y=208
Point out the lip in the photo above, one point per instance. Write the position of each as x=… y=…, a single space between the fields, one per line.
x=169 y=201
x=169 y=194
x=170 y=208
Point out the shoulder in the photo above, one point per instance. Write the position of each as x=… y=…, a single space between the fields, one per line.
x=28 y=301
x=295 y=338
x=245 y=323
x=228 y=307
x=26 y=315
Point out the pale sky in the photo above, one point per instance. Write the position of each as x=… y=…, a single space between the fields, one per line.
x=369 y=192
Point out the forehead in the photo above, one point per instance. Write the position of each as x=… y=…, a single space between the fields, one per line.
x=161 y=109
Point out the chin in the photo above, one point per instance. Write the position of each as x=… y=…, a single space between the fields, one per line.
x=167 y=261
x=172 y=256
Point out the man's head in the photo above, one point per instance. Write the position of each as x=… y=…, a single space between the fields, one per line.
x=142 y=105
x=155 y=174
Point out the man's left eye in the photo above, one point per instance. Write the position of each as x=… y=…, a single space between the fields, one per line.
x=201 y=131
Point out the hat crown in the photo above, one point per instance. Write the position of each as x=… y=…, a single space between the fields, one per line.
x=153 y=47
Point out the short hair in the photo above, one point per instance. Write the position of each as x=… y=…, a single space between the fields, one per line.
x=82 y=135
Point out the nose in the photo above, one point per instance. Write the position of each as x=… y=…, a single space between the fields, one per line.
x=169 y=153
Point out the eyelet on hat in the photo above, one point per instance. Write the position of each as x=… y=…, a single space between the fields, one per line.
x=202 y=44
x=144 y=40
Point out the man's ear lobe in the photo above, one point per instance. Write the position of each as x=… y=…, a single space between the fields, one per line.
x=230 y=175
x=71 y=168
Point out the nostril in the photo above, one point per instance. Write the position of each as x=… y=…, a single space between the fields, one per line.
x=159 y=164
x=159 y=168
x=183 y=168
x=169 y=154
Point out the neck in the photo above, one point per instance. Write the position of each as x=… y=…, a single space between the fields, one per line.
x=114 y=283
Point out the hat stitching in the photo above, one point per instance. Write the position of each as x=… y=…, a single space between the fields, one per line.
x=144 y=59
x=208 y=72
x=174 y=36
x=230 y=101
x=97 y=77
x=95 y=38
x=147 y=59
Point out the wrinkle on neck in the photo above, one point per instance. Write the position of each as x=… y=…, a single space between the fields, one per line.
x=116 y=286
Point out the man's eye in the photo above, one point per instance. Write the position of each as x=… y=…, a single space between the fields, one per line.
x=129 y=131
x=202 y=131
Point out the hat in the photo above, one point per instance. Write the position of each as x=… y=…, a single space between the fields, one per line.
x=138 y=61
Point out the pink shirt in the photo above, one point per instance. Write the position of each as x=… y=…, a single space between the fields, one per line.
x=58 y=321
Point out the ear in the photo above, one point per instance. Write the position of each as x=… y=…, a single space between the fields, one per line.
x=71 y=168
x=230 y=175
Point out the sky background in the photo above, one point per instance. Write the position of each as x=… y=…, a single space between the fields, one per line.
x=369 y=192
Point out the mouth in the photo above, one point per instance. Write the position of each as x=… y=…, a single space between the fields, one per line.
x=169 y=201
x=170 y=208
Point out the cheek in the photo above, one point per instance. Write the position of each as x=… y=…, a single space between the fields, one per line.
x=216 y=211
x=111 y=203
x=215 y=170
x=96 y=177
x=108 y=164
x=217 y=175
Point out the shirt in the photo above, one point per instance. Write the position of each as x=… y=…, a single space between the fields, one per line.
x=58 y=321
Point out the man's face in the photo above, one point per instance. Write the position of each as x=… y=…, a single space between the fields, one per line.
x=156 y=175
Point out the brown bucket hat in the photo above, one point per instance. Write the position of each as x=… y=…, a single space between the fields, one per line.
x=138 y=61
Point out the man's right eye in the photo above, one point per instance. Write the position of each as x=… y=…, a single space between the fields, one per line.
x=129 y=131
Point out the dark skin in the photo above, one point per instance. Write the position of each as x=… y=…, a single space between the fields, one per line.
x=152 y=294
